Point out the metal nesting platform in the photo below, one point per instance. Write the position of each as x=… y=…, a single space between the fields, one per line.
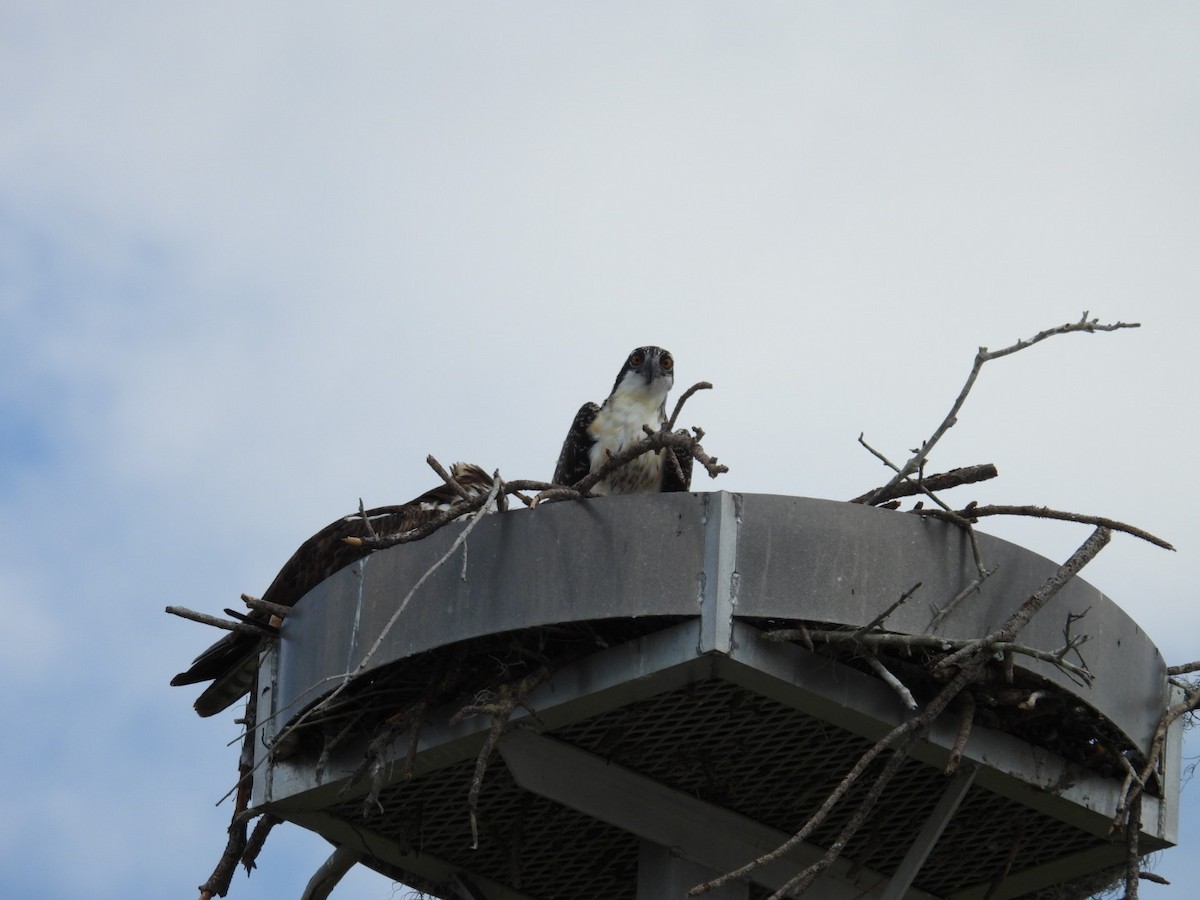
x=670 y=741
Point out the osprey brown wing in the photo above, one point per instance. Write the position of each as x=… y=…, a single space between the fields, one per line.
x=231 y=662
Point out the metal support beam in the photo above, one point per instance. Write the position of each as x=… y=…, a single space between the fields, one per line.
x=710 y=836
x=928 y=836
x=719 y=580
x=663 y=874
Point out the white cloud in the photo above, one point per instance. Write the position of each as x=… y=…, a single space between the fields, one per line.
x=258 y=262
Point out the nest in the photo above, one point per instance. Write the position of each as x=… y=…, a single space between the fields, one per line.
x=378 y=707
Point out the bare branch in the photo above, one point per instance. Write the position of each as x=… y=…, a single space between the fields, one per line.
x=446 y=477
x=1042 y=512
x=501 y=709
x=944 y=481
x=1190 y=703
x=892 y=681
x=218 y=882
x=966 y=717
x=263 y=630
x=1013 y=849
x=879 y=619
x=940 y=615
x=881 y=640
x=1133 y=828
x=984 y=355
x=656 y=440
x=900 y=734
x=698 y=386
x=366 y=520
x=258 y=837
x=907 y=482
x=1019 y=619
x=804 y=880
x=266 y=606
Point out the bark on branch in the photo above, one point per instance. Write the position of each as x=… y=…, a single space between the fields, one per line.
x=942 y=482
x=971 y=513
x=917 y=461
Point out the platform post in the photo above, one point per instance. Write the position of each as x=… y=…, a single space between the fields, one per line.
x=664 y=876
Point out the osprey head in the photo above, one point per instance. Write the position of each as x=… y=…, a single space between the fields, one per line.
x=647 y=369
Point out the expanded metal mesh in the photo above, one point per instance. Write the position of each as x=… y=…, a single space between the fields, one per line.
x=728 y=746
x=525 y=841
x=776 y=765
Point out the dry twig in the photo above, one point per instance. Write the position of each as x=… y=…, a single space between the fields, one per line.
x=1041 y=512
x=510 y=697
x=805 y=878
x=244 y=627
x=966 y=717
x=942 y=482
x=652 y=442
x=258 y=838
x=698 y=386
x=879 y=640
x=915 y=463
x=266 y=606
x=1004 y=635
x=1189 y=704
x=218 y=882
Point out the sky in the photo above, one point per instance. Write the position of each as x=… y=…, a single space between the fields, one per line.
x=257 y=260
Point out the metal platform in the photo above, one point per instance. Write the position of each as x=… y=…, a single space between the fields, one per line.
x=688 y=745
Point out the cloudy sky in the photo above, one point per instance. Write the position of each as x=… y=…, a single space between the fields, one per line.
x=257 y=260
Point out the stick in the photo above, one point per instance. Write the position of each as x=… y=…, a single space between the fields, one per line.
x=698 y=386
x=966 y=717
x=928 y=641
x=258 y=837
x=983 y=356
x=446 y=477
x=804 y=880
x=1042 y=512
x=274 y=609
x=242 y=627
x=892 y=681
x=656 y=440
x=1019 y=619
x=879 y=619
x=946 y=480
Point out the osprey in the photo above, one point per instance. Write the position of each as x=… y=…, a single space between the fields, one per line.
x=232 y=662
x=639 y=397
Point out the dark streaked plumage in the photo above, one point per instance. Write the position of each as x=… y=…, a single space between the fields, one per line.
x=639 y=397
x=232 y=661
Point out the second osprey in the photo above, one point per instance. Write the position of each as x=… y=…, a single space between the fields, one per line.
x=639 y=397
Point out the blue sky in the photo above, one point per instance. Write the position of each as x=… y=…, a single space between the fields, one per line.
x=257 y=261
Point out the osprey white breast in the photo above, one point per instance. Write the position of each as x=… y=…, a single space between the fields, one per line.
x=638 y=399
x=634 y=403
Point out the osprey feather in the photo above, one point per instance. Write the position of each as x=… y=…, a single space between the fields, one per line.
x=232 y=662
x=638 y=398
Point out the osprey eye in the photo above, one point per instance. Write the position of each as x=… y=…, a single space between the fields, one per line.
x=636 y=359
x=667 y=362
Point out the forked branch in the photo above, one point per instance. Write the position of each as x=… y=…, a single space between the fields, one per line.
x=917 y=461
